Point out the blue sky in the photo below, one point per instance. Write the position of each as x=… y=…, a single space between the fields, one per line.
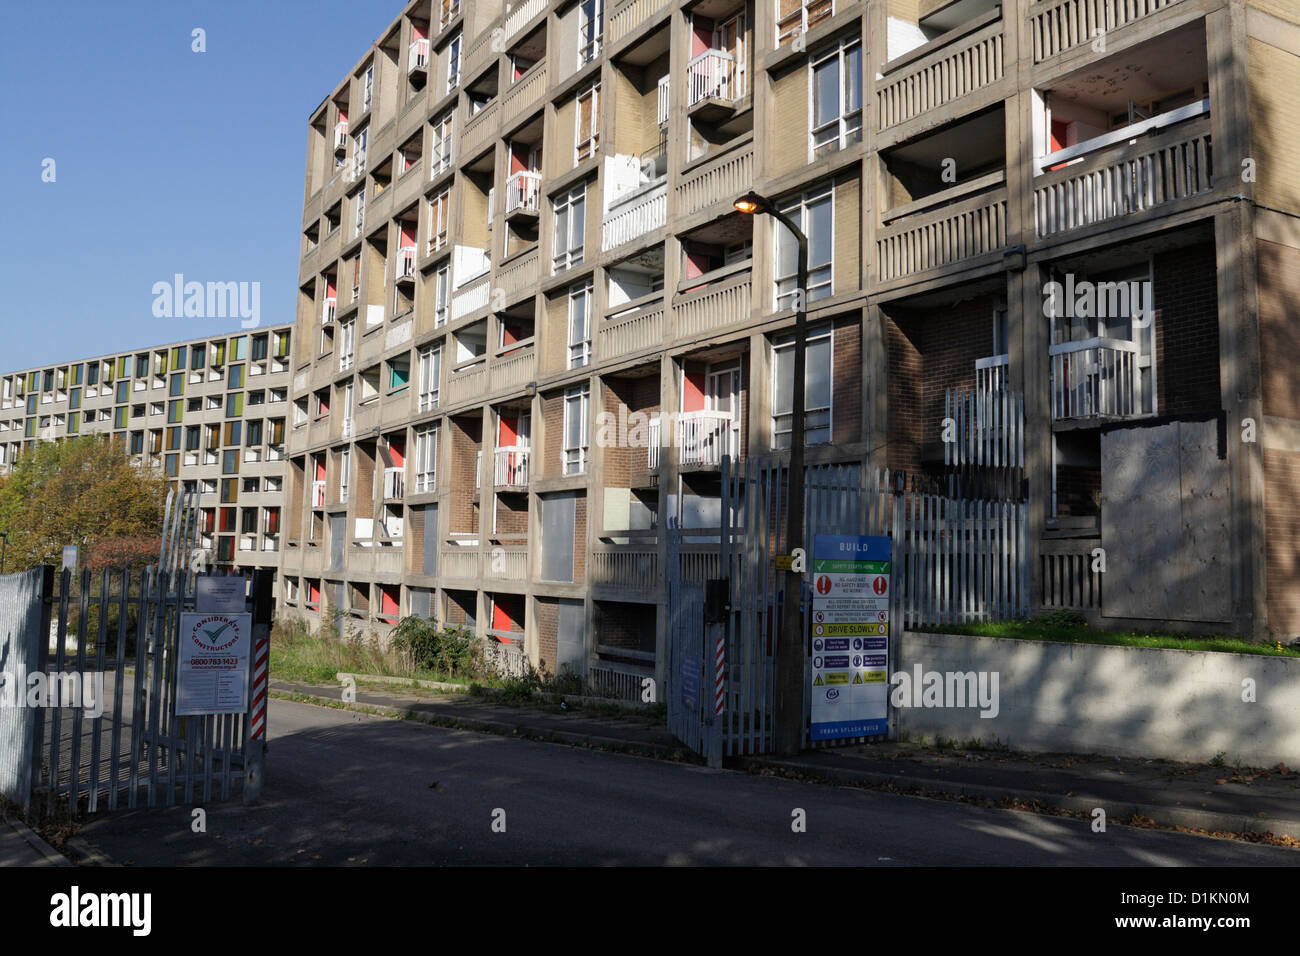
x=166 y=160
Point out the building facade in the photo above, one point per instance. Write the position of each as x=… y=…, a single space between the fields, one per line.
x=209 y=413
x=519 y=233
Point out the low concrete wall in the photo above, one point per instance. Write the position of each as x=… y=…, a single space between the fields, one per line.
x=1144 y=702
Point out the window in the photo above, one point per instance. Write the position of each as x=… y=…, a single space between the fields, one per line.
x=570 y=228
x=426 y=459
x=430 y=377
x=837 y=99
x=814 y=214
x=235 y=377
x=345 y=472
x=794 y=17
x=453 y=63
x=234 y=434
x=123 y=393
x=260 y=348
x=587 y=125
x=368 y=96
x=235 y=405
x=441 y=294
x=575 y=431
x=580 y=325
x=192 y=437
x=439 y=216
x=175 y=410
x=817 y=379
x=361 y=214
x=253 y=435
x=589 y=29
x=440 y=158
x=347 y=334
x=198 y=358
x=177 y=385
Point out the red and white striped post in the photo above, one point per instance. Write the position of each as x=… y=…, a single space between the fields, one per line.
x=719 y=686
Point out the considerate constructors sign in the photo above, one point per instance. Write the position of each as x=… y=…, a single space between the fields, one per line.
x=213 y=675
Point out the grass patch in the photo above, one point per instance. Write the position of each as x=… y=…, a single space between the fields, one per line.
x=1066 y=627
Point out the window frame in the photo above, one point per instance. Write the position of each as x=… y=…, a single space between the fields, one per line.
x=842 y=123
x=785 y=342
x=575 y=454
x=801 y=204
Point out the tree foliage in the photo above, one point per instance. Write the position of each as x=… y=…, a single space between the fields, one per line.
x=83 y=491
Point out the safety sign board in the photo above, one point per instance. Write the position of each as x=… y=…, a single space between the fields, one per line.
x=213 y=659
x=850 y=636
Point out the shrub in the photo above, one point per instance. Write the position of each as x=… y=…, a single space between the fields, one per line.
x=449 y=650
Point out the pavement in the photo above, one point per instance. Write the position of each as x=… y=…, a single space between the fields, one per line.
x=20 y=846
x=348 y=788
x=1223 y=799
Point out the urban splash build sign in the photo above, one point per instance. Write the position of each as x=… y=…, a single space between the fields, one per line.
x=213 y=657
x=850 y=636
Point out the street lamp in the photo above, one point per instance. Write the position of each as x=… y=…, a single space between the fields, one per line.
x=787 y=732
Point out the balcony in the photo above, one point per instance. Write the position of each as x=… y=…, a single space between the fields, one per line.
x=918 y=237
x=633 y=327
x=514 y=371
x=627 y=219
x=721 y=299
x=511 y=466
x=318 y=494
x=522 y=98
x=954 y=70
x=715 y=83
x=626 y=15
x=329 y=310
x=417 y=59
x=508 y=563
x=466 y=384
x=405 y=271
x=652 y=450
x=470 y=298
x=521 y=15
x=518 y=275
x=480 y=131
x=1120 y=174
x=459 y=560
x=664 y=100
x=1059 y=25
x=704 y=437
x=1095 y=378
x=523 y=192
x=717 y=182
x=394 y=483
x=340 y=137
x=632 y=566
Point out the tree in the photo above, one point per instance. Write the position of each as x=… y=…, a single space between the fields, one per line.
x=81 y=491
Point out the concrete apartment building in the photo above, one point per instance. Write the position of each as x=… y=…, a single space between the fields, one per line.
x=518 y=217
x=210 y=413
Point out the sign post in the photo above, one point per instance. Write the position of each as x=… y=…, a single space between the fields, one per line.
x=850 y=636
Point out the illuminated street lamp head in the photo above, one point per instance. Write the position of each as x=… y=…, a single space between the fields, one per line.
x=751 y=203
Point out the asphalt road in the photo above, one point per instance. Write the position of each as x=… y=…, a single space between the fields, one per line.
x=350 y=789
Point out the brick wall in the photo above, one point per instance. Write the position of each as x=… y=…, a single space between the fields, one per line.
x=1077 y=489
x=930 y=352
x=1273 y=75
x=363 y=495
x=465 y=444
x=1282 y=546
x=512 y=514
x=846 y=387
x=553 y=432
x=546 y=625
x=627 y=626
x=1187 y=330
x=456 y=604
x=1279 y=333
x=580 y=539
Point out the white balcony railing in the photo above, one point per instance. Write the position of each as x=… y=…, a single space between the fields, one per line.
x=418 y=56
x=704 y=437
x=522 y=191
x=652 y=453
x=394 y=483
x=665 y=100
x=634 y=217
x=348 y=427
x=405 y=263
x=329 y=310
x=340 y=136
x=318 y=494
x=715 y=74
x=991 y=373
x=1095 y=378
x=521 y=15
x=511 y=466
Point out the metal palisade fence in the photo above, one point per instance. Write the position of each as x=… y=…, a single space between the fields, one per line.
x=954 y=560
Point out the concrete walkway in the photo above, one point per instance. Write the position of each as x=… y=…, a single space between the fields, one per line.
x=1223 y=800
x=20 y=846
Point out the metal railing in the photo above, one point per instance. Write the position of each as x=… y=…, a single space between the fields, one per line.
x=329 y=310
x=318 y=494
x=405 y=263
x=714 y=74
x=703 y=437
x=523 y=190
x=418 y=56
x=991 y=373
x=511 y=466
x=394 y=483
x=634 y=217
x=1094 y=378
x=664 y=103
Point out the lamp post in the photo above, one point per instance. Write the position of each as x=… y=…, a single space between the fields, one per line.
x=787 y=731
x=4 y=545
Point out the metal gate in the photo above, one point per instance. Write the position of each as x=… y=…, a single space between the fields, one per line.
x=101 y=732
x=954 y=561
